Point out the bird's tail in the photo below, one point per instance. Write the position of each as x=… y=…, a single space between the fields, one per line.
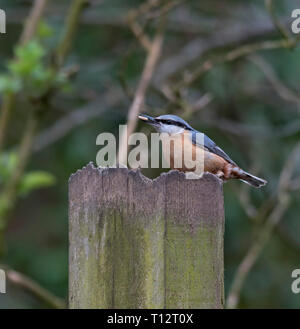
x=252 y=180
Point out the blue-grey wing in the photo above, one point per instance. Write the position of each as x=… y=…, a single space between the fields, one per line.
x=210 y=145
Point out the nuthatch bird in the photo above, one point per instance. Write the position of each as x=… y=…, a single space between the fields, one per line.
x=216 y=161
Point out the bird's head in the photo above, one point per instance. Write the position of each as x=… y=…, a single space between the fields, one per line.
x=169 y=123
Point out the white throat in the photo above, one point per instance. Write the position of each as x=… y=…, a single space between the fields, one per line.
x=170 y=129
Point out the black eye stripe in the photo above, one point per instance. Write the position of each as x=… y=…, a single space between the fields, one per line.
x=175 y=123
x=170 y=122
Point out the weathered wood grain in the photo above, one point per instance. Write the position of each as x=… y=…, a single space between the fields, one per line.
x=141 y=243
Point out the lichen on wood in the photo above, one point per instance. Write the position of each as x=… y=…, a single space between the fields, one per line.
x=142 y=243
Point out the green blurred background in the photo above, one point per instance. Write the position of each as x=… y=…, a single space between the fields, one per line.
x=249 y=106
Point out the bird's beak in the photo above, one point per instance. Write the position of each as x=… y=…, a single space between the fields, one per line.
x=147 y=119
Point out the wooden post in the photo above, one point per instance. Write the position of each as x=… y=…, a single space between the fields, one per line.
x=142 y=243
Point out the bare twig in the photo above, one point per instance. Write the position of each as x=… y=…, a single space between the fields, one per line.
x=230 y=56
x=283 y=91
x=135 y=26
x=76 y=118
x=255 y=250
x=243 y=194
x=252 y=212
x=233 y=36
x=242 y=51
x=23 y=155
x=201 y=102
x=190 y=108
x=10 y=190
x=280 y=27
x=164 y=9
x=4 y=117
x=139 y=97
x=139 y=33
x=70 y=30
x=32 y=21
x=145 y=10
x=33 y=288
x=281 y=205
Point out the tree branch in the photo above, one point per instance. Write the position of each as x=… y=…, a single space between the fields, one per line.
x=29 y=31
x=32 y=21
x=4 y=117
x=283 y=91
x=77 y=117
x=237 y=34
x=34 y=288
x=281 y=28
x=230 y=56
x=281 y=205
x=9 y=194
x=10 y=191
x=139 y=97
x=70 y=30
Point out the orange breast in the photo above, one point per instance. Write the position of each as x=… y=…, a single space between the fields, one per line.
x=174 y=152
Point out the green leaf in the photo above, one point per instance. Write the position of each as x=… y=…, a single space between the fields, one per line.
x=28 y=57
x=44 y=30
x=8 y=162
x=35 y=180
x=32 y=51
